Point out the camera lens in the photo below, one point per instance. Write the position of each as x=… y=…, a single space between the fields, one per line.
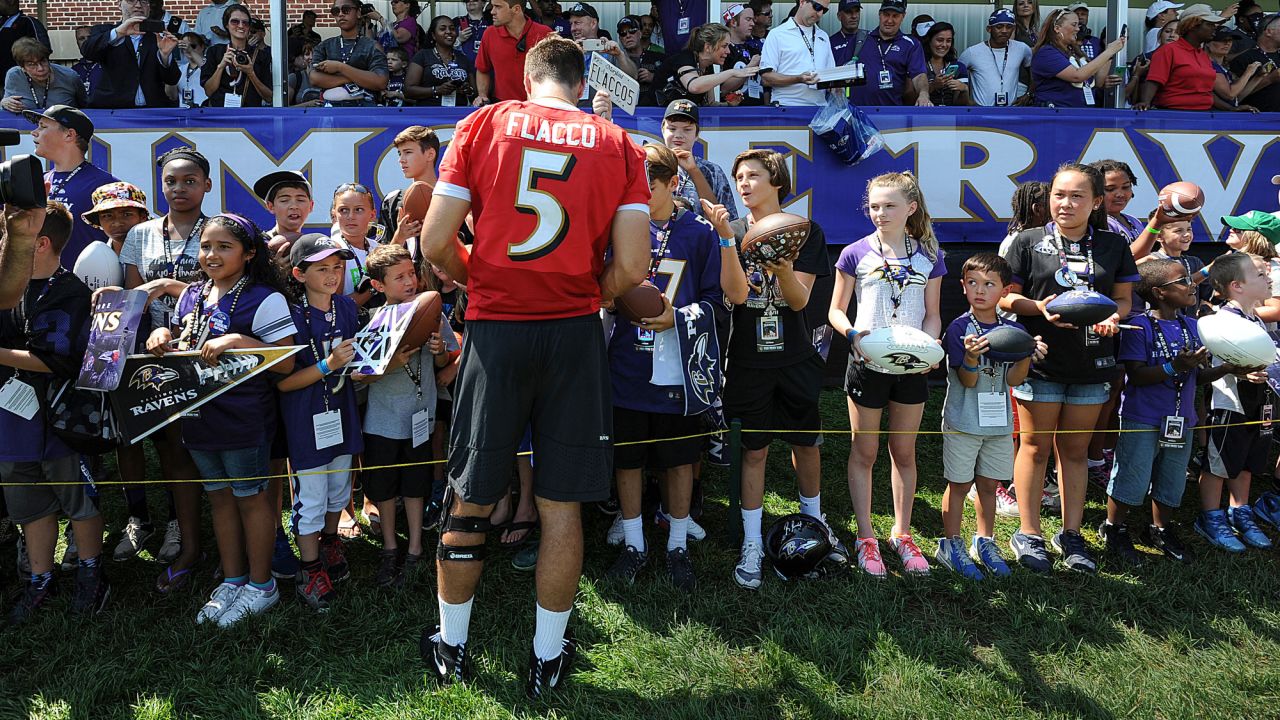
x=22 y=182
x=242 y=57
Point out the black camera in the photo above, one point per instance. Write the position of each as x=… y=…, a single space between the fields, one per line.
x=242 y=57
x=152 y=26
x=21 y=177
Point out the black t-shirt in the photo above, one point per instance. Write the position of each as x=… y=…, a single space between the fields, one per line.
x=436 y=71
x=740 y=57
x=745 y=341
x=1268 y=98
x=237 y=84
x=651 y=61
x=1033 y=255
x=52 y=322
x=667 y=81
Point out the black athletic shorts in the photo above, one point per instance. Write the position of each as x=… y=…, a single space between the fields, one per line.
x=875 y=390
x=1233 y=450
x=784 y=398
x=637 y=426
x=552 y=375
x=391 y=483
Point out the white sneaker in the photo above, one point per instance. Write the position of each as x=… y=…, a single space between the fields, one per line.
x=132 y=539
x=219 y=601
x=250 y=601
x=172 y=546
x=696 y=531
x=615 y=535
x=1006 y=503
x=747 y=574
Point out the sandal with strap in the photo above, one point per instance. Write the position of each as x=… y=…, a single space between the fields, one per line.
x=518 y=526
x=170 y=581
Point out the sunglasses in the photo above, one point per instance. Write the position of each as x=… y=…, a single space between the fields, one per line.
x=628 y=31
x=341 y=10
x=352 y=187
x=1184 y=280
x=818 y=6
x=237 y=21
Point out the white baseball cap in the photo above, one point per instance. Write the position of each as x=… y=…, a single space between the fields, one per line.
x=1160 y=6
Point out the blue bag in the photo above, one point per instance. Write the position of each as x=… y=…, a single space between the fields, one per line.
x=846 y=130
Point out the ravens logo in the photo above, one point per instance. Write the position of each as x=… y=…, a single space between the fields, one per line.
x=906 y=360
x=152 y=376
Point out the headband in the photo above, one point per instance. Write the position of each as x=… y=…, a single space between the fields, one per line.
x=184 y=153
x=245 y=224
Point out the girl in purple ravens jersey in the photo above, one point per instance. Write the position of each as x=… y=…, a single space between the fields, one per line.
x=237 y=304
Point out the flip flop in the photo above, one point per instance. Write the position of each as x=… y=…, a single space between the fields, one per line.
x=170 y=582
x=518 y=526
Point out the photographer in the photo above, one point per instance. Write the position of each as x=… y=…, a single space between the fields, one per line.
x=1266 y=96
x=137 y=60
x=35 y=84
x=237 y=74
x=584 y=23
x=190 y=92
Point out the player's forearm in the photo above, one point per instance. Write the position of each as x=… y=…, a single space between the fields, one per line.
x=23 y=360
x=17 y=254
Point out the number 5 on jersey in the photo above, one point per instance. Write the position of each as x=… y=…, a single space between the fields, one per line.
x=553 y=222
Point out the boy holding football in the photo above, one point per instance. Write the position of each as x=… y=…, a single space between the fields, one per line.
x=287 y=194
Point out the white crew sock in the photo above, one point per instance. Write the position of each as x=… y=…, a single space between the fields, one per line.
x=679 y=535
x=548 y=635
x=751 y=526
x=633 y=532
x=1096 y=463
x=811 y=506
x=455 y=621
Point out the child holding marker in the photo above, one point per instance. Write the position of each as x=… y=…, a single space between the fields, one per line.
x=977 y=447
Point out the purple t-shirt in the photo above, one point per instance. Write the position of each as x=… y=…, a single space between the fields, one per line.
x=677 y=15
x=1045 y=66
x=1150 y=404
x=902 y=57
x=298 y=407
x=75 y=190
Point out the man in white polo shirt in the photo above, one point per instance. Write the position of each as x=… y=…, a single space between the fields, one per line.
x=795 y=51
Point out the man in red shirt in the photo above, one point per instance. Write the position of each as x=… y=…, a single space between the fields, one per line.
x=502 y=52
x=551 y=189
x=1181 y=74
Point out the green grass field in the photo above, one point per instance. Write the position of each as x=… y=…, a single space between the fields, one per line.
x=1168 y=642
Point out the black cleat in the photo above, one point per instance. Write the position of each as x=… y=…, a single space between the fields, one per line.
x=628 y=565
x=449 y=663
x=91 y=592
x=1166 y=540
x=547 y=674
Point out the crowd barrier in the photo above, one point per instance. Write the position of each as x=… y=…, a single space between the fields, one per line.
x=969 y=160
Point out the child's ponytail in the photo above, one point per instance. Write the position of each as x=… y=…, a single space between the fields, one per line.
x=919 y=225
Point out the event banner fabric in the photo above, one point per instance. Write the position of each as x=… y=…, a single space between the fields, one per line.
x=969 y=160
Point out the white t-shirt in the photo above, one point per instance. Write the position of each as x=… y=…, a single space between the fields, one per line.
x=792 y=50
x=190 y=92
x=985 y=65
x=355 y=268
x=145 y=248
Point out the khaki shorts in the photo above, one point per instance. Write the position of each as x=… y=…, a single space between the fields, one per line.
x=965 y=456
x=38 y=497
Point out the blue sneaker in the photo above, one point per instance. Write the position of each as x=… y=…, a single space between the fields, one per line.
x=1242 y=520
x=284 y=564
x=1213 y=525
x=1267 y=508
x=951 y=554
x=986 y=553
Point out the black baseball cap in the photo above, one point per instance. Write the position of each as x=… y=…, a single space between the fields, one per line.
x=583 y=9
x=314 y=247
x=629 y=21
x=898 y=6
x=850 y=4
x=268 y=184
x=66 y=116
x=682 y=108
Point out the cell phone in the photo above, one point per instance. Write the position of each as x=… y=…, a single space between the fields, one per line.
x=951 y=70
x=151 y=26
x=1124 y=31
x=175 y=24
x=592 y=45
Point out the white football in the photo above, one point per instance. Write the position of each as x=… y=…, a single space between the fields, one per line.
x=1236 y=340
x=901 y=350
x=99 y=266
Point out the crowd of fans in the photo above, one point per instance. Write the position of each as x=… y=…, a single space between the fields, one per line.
x=1187 y=57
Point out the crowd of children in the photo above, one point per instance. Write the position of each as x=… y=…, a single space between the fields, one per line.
x=220 y=283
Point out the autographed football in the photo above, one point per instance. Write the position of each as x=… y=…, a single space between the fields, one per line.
x=426 y=320
x=1181 y=200
x=99 y=266
x=779 y=236
x=901 y=350
x=1008 y=344
x=414 y=202
x=1235 y=340
x=1082 y=307
x=641 y=301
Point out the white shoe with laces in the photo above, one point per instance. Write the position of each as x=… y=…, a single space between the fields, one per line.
x=220 y=601
x=250 y=601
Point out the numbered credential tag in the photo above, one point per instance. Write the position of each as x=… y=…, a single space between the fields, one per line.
x=19 y=398
x=421 y=427
x=993 y=409
x=328 y=428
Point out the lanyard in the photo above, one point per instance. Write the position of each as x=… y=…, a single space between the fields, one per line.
x=1167 y=351
x=897 y=279
x=331 y=317
x=1059 y=244
x=810 y=41
x=664 y=236
x=1003 y=63
x=40 y=103
x=884 y=51
x=415 y=374
x=168 y=251
x=202 y=317
x=982 y=359
x=56 y=188
x=48 y=285
x=342 y=48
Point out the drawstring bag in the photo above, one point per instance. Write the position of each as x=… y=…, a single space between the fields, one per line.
x=846 y=130
x=82 y=419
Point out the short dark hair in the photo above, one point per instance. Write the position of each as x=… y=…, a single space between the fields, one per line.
x=774 y=164
x=399 y=52
x=385 y=257
x=57 y=225
x=1233 y=267
x=309 y=13
x=555 y=58
x=988 y=262
x=425 y=137
x=234 y=7
x=1153 y=273
x=1106 y=166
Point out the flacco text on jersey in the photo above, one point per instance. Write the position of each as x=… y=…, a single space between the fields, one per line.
x=568 y=134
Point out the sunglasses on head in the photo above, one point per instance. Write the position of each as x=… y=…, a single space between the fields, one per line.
x=352 y=187
x=337 y=10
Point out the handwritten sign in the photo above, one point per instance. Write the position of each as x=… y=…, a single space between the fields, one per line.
x=624 y=89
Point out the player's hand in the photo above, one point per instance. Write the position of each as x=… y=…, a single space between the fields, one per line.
x=602 y=104
x=1108 y=327
x=1041 y=351
x=1190 y=359
x=214 y=348
x=158 y=341
x=975 y=346
x=665 y=321
x=341 y=354
x=1054 y=318
x=718 y=216
x=685 y=159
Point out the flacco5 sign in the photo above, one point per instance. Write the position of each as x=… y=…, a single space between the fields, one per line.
x=969 y=160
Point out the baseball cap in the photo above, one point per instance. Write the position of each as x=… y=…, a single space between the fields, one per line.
x=314 y=247
x=1265 y=223
x=66 y=116
x=732 y=12
x=1225 y=33
x=1202 y=11
x=682 y=108
x=1078 y=6
x=629 y=21
x=850 y=5
x=898 y=6
x=582 y=9
x=1160 y=6
x=1003 y=16
x=115 y=195
x=267 y=185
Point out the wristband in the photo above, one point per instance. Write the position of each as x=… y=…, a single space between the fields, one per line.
x=727 y=242
x=323 y=367
x=1205 y=271
x=970 y=368
x=1153 y=231
x=1168 y=369
x=850 y=336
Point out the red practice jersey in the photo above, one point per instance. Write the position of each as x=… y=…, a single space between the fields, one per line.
x=544 y=182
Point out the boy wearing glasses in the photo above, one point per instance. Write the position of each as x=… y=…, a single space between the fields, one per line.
x=349 y=60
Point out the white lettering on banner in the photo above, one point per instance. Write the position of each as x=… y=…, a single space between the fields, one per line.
x=1116 y=145
x=1188 y=153
x=623 y=89
x=725 y=144
x=940 y=166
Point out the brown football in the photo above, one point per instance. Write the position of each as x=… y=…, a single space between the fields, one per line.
x=641 y=301
x=1181 y=200
x=414 y=203
x=779 y=236
x=426 y=320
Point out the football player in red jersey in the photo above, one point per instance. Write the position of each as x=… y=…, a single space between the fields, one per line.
x=551 y=190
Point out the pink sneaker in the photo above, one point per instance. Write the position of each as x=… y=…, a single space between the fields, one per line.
x=869 y=560
x=913 y=561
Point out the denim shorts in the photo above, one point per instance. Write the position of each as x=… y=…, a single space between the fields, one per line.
x=250 y=462
x=1047 y=391
x=1141 y=465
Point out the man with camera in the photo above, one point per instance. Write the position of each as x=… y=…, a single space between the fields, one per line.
x=137 y=59
x=349 y=60
x=584 y=24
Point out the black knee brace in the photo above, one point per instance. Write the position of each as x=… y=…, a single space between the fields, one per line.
x=464 y=524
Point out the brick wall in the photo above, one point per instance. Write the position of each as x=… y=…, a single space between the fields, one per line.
x=69 y=14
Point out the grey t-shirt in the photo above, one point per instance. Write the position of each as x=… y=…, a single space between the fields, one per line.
x=155 y=256
x=960 y=409
x=64 y=88
x=361 y=54
x=394 y=399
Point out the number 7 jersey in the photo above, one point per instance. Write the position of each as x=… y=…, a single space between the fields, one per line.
x=544 y=180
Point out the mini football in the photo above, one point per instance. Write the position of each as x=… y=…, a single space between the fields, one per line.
x=1008 y=344
x=901 y=350
x=414 y=202
x=779 y=236
x=99 y=266
x=1235 y=340
x=426 y=320
x=641 y=301
x=1181 y=200
x=1082 y=307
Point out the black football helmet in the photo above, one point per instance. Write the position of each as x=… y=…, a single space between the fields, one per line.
x=797 y=545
